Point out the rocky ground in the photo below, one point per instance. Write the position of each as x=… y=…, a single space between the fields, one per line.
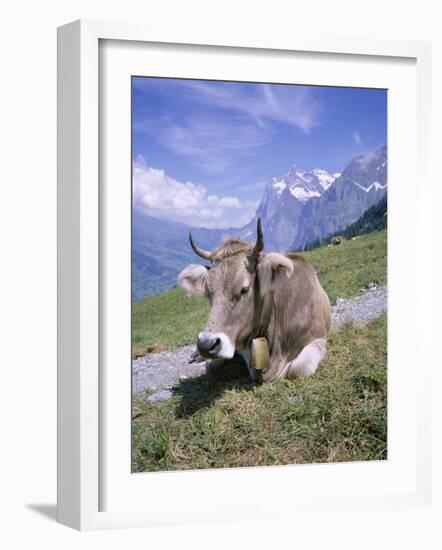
x=158 y=373
x=368 y=306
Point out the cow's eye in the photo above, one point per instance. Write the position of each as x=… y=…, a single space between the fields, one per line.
x=245 y=289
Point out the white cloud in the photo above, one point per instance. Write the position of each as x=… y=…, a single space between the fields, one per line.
x=164 y=197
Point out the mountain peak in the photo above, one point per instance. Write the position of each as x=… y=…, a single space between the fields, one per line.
x=372 y=157
x=278 y=185
x=302 y=185
x=368 y=171
x=325 y=178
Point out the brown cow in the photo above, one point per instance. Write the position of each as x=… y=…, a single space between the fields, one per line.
x=253 y=294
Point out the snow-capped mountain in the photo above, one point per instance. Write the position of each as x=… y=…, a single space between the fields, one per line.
x=304 y=185
x=362 y=184
x=283 y=202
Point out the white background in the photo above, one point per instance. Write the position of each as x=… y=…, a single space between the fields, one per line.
x=28 y=260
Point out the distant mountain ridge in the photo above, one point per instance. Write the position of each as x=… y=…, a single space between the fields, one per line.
x=295 y=209
x=160 y=250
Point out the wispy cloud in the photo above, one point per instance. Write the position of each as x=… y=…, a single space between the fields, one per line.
x=253 y=186
x=358 y=145
x=294 y=105
x=217 y=123
x=164 y=197
x=211 y=142
x=356 y=139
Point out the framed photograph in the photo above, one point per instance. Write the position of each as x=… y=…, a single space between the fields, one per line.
x=234 y=230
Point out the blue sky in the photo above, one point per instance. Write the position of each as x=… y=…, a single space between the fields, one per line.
x=203 y=150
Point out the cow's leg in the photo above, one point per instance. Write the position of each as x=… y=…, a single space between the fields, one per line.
x=306 y=363
x=277 y=369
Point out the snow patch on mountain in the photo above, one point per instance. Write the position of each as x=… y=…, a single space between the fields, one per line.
x=303 y=194
x=324 y=178
x=376 y=185
x=279 y=185
x=303 y=185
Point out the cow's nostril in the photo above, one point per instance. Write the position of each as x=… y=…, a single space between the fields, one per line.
x=208 y=345
x=215 y=344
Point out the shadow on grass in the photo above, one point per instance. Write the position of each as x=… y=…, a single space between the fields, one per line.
x=200 y=393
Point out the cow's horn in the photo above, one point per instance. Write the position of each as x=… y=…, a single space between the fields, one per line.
x=259 y=246
x=199 y=251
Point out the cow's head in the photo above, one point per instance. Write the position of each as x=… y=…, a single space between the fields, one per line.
x=236 y=283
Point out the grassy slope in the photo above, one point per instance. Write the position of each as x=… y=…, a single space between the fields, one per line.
x=172 y=319
x=224 y=420
x=167 y=320
x=345 y=269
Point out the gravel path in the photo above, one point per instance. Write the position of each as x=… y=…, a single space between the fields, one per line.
x=160 y=372
x=368 y=306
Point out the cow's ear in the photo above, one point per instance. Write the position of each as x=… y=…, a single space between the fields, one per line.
x=193 y=279
x=274 y=270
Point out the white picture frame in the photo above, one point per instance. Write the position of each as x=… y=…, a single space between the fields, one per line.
x=80 y=271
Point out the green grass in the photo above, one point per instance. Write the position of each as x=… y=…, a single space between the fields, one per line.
x=173 y=319
x=167 y=320
x=347 y=268
x=222 y=419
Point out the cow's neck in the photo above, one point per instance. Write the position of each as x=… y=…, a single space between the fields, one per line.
x=263 y=316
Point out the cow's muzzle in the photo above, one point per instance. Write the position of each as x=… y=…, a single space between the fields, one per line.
x=215 y=345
